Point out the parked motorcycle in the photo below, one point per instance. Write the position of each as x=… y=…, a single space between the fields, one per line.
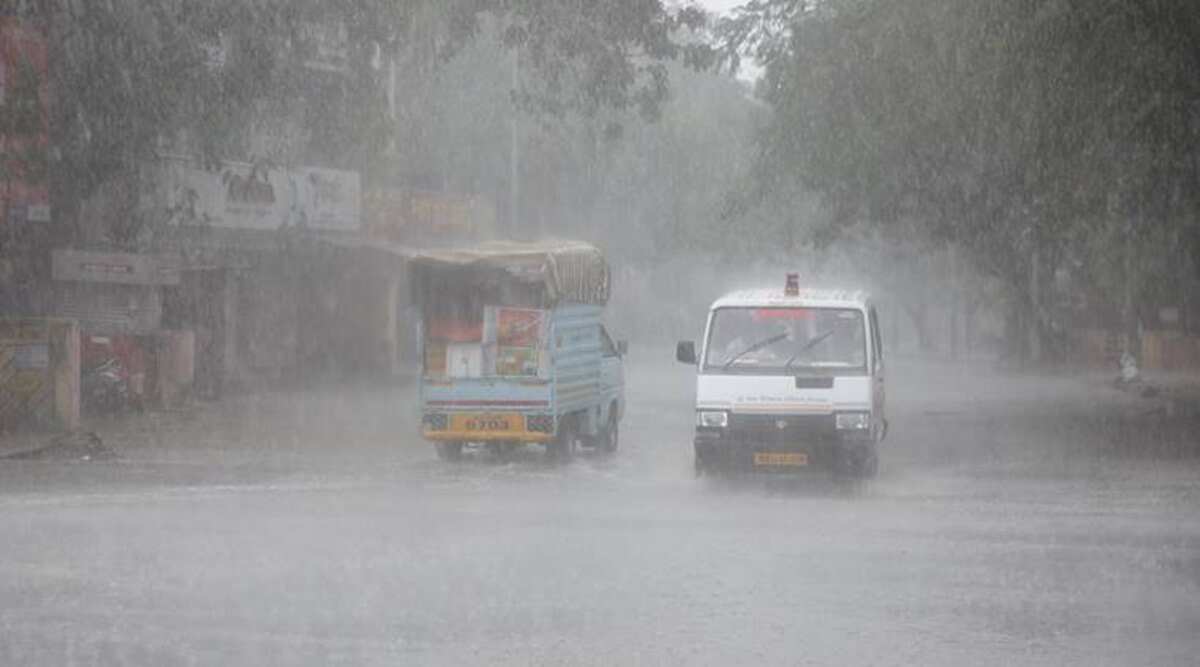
x=104 y=388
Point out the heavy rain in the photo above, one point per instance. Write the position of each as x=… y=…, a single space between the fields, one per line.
x=615 y=332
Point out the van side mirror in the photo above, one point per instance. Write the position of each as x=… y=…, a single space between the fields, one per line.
x=622 y=347
x=685 y=352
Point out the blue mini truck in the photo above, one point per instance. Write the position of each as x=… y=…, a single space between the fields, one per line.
x=514 y=349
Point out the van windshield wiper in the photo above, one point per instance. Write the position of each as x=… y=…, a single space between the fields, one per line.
x=754 y=348
x=807 y=346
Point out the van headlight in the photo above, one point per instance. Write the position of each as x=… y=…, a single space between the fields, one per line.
x=712 y=418
x=853 y=421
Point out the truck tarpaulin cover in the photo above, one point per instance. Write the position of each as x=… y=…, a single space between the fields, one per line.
x=571 y=271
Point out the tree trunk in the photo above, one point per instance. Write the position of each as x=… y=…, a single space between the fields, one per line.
x=970 y=310
x=954 y=304
x=1133 y=343
x=1033 y=317
x=918 y=313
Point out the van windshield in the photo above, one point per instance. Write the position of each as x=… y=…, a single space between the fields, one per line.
x=786 y=340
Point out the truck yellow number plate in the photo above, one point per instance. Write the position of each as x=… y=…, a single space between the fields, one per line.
x=780 y=459
x=486 y=423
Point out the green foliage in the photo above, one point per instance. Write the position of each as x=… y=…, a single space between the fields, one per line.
x=600 y=55
x=1011 y=129
x=135 y=72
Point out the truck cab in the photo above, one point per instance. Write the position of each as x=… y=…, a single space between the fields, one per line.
x=789 y=378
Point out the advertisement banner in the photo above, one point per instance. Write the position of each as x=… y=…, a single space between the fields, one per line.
x=252 y=197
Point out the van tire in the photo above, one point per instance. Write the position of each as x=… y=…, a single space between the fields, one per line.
x=861 y=464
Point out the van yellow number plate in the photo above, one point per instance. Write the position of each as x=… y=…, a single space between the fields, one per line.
x=780 y=459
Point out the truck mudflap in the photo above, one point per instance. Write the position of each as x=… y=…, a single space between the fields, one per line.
x=488 y=427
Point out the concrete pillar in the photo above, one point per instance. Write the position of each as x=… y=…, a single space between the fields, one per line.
x=176 y=366
x=65 y=371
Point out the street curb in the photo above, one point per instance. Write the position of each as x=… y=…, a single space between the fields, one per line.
x=17 y=447
x=82 y=445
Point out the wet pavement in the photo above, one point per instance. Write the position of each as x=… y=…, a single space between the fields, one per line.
x=1015 y=521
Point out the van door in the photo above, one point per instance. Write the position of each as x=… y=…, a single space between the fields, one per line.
x=878 y=388
x=612 y=377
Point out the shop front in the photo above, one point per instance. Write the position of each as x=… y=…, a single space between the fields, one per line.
x=127 y=359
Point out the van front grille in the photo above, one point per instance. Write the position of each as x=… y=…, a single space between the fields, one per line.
x=781 y=428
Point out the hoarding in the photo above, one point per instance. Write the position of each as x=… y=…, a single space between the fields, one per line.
x=254 y=197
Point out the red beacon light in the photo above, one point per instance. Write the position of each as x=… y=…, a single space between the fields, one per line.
x=792 y=288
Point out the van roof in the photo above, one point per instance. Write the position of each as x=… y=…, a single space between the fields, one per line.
x=819 y=298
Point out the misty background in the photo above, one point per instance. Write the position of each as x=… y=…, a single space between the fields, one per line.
x=1009 y=181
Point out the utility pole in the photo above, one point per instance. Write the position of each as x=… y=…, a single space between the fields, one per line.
x=514 y=158
x=391 y=98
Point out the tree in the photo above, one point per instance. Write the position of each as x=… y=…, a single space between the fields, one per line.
x=1009 y=129
x=136 y=76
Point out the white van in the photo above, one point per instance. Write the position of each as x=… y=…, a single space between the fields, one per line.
x=789 y=378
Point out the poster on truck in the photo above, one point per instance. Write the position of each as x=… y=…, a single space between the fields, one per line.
x=518 y=334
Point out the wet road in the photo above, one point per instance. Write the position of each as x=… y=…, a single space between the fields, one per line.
x=1001 y=531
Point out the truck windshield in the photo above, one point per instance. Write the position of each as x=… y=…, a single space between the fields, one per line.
x=786 y=340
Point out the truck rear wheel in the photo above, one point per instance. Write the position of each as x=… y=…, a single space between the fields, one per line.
x=563 y=447
x=610 y=437
x=449 y=451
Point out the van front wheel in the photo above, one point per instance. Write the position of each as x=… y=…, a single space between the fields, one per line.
x=860 y=462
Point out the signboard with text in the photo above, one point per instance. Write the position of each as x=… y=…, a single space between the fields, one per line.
x=415 y=216
x=114 y=267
